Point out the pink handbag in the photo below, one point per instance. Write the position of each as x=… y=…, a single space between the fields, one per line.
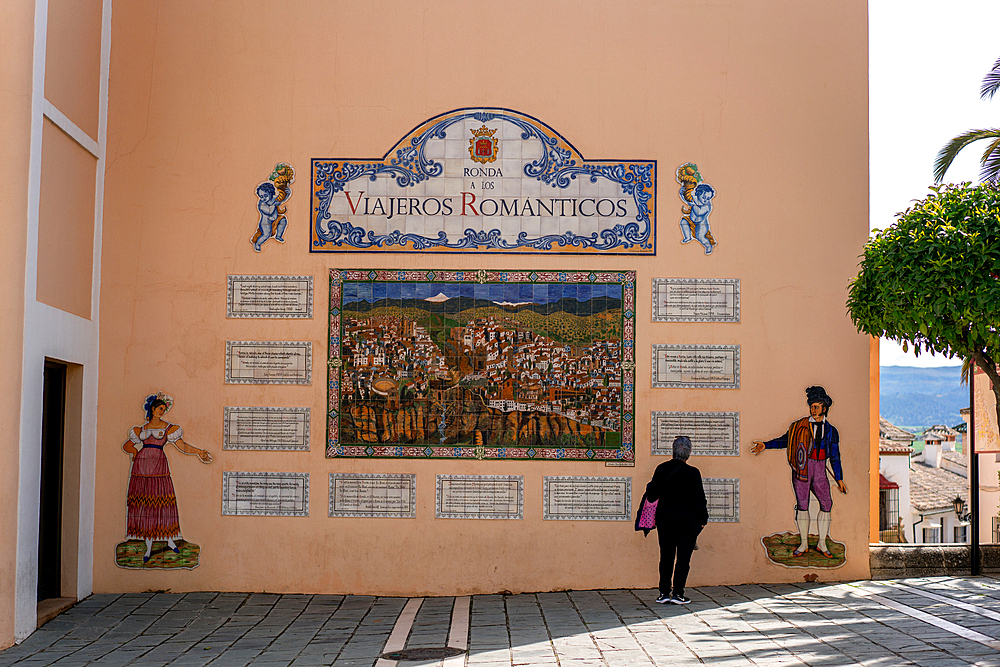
x=645 y=518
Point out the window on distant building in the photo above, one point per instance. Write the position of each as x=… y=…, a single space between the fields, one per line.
x=888 y=515
x=932 y=535
x=961 y=534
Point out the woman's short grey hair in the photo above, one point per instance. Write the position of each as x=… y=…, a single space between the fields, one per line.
x=682 y=447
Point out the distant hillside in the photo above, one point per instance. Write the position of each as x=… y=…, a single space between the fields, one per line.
x=916 y=398
x=593 y=306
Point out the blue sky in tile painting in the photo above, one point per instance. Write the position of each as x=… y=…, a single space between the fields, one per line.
x=509 y=293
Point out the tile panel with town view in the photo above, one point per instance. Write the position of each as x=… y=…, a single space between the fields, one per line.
x=516 y=368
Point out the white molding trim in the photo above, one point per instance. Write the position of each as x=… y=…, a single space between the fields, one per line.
x=29 y=483
x=69 y=127
x=50 y=333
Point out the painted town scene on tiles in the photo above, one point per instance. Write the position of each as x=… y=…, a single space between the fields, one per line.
x=482 y=365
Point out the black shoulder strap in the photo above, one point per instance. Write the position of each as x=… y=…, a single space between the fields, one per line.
x=672 y=473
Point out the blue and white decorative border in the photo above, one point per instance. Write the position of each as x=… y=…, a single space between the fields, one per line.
x=558 y=166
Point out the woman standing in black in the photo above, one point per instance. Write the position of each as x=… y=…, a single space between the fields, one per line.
x=681 y=513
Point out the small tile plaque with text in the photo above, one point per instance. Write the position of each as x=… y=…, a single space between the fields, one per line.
x=375 y=495
x=265 y=493
x=479 y=497
x=696 y=300
x=275 y=297
x=723 y=494
x=711 y=433
x=696 y=366
x=587 y=498
x=268 y=362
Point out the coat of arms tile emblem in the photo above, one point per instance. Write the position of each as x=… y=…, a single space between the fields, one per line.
x=483 y=145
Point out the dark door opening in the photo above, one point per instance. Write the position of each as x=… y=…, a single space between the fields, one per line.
x=50 y=497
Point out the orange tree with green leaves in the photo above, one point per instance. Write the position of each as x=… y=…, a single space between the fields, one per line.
x=930 y=280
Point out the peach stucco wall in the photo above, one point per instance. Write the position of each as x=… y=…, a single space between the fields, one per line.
x=16 y=43
x=769 y=98
x=65 y=223
x=73 y=60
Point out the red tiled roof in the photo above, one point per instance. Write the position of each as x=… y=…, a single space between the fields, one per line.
x=883 y=483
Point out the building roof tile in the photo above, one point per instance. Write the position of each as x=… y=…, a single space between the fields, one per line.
x=940 y=429
x=893 y=447
x=889 y=431
x=935 y=488
x=956 y=457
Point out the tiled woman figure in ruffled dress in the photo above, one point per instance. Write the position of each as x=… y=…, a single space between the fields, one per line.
x=152 y=505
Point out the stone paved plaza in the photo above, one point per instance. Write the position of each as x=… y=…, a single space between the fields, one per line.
x=926 y=621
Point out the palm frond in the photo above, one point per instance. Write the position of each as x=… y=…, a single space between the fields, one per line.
x=967 y=364
x=951 y=149
x=991 y=82
x=989 y=172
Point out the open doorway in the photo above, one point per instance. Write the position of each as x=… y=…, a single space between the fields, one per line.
x=50 y=504
x=59 y=488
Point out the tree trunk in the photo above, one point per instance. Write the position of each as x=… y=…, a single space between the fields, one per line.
x=984 y=361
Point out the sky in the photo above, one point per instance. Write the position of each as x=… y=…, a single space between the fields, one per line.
x=926 y=63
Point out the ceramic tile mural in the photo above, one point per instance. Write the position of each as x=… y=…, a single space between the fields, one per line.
x=481 y=364
x=272 y=202
x=697 y=196
x=483 y=180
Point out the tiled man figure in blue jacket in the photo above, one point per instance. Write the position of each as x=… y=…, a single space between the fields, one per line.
x=810 y=441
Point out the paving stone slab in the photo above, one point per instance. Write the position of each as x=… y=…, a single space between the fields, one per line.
x=773 y=625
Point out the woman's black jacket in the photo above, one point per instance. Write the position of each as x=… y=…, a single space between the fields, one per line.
x=682 y=508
